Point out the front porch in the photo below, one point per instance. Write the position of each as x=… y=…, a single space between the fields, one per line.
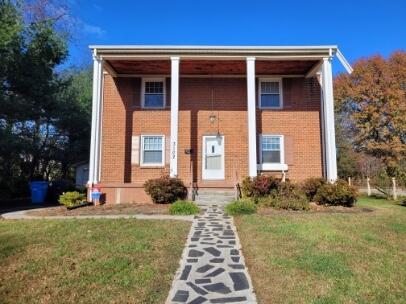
x=216 y=118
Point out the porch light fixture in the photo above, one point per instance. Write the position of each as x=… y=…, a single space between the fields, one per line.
x=218 y=137
x=212 y=118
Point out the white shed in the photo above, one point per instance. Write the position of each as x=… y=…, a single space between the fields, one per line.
x=81 y=173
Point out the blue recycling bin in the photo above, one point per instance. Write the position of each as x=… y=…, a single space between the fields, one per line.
x=38 y=191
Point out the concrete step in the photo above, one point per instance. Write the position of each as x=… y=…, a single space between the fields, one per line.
x=207 y=197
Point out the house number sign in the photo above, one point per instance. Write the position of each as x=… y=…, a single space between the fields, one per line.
x=174 y=150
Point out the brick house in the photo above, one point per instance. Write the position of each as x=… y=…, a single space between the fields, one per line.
x=210 y=115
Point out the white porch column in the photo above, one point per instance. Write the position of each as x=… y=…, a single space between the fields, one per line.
x=94 y=161
x=173 y=164
x=328 y=120
x=252 y=130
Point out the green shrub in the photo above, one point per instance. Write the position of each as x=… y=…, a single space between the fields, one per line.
x=183 y=208
x=311 y=185
x=58 y=187
x=71 y=199
x=288 y=196
x=337 y=194
x=165 y=190
x=280 y=202
x=258 y=186
x=243 y=206
x=287 y=189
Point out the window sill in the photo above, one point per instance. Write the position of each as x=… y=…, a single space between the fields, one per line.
x=157 y=166
x=270 y=109
x=153 y=108
x=272 y=167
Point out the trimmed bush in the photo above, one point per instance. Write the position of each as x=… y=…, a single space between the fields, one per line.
x=280 y=202
x=337 y=194
x=243 y=206
x=165 y=190
x=288 y=196
x=72 y=199
x=183 y=208
x=311 y=185
x=288 y=189
x=258 y=186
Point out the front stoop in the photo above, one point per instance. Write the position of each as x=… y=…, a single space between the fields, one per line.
x=220 y=197
x=212 y=268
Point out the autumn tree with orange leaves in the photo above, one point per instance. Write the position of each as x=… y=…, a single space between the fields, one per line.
x=372 y=105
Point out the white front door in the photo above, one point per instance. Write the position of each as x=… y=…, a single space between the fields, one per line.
x=213 y=157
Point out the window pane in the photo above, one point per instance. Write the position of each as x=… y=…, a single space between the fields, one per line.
x=152 y=157
x=154 y=100
x=153 y=143
x=271 y=156
x=269 y=101
x=270 y=87
x=154 y=87
x=213 y=162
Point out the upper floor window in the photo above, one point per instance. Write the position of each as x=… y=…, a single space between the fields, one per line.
x=153 y=93
x=270 y=93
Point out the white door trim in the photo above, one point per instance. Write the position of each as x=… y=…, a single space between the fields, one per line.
x=205 y=174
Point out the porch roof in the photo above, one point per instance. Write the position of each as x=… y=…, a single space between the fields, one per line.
x=298 y=59
x=171 y=50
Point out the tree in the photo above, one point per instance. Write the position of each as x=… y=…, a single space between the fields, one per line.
x=374 y=100
x=75 y=117
x=44 y=113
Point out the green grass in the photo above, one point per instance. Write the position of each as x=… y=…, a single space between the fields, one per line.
x=328 y=257
x=89 y=261
x=183 y=208
x=241 y=207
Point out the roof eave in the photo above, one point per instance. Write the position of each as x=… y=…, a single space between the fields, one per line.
x=213 y=50
x=266 y=52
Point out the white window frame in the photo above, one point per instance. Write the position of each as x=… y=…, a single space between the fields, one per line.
x=144 y=80
x=281 y=166
x=278 y=80
x=161 y=164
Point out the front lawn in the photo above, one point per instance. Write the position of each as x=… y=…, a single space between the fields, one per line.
x=89 y=261
x=309 y=257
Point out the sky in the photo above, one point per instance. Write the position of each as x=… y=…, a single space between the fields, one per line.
x=360 y=28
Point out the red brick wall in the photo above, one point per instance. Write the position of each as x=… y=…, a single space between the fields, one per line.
x=299 y=119
x=123 y=117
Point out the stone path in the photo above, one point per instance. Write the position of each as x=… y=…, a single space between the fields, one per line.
x=212 y=269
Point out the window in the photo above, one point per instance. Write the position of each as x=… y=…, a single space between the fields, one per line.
x=153 y=93
x=152 y=153
x=272 y=149
x=270 y=93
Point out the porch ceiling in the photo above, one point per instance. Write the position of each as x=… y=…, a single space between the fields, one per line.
x=212 y=67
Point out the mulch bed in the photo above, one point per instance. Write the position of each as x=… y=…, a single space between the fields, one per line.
x=316 y=209
x=104 y=210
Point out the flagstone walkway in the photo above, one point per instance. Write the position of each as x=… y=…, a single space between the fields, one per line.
x=212 y=269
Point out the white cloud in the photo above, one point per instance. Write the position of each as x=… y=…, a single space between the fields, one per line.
x=97 y=7
x=93 y=29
